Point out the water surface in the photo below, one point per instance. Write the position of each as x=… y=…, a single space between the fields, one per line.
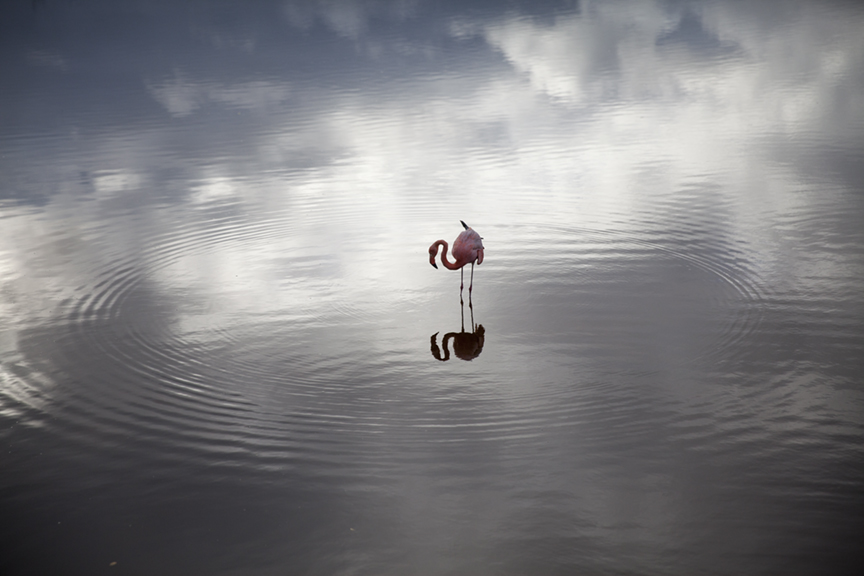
x=223 y=350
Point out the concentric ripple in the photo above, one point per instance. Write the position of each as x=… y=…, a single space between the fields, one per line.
x=621 y=290
x=228 y=366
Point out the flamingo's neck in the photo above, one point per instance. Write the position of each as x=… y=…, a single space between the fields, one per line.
x=447 y=263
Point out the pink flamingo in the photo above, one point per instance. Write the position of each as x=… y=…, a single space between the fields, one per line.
x=468 y=248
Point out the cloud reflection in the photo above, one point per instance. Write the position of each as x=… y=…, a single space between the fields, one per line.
x=240 y=215
x=349 y=19
x=572 y=113
x=181 y=97
x=583 y=106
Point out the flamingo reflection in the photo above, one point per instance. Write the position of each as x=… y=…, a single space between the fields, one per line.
x=466 y=345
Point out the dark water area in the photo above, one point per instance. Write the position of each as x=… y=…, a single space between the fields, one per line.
x=223 y=349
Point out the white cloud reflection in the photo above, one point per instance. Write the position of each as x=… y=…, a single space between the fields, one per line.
x=569 y=115
x=319 y=209
x=182 y=97
x=348 y=19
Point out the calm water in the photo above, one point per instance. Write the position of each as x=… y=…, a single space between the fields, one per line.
x=223 y=350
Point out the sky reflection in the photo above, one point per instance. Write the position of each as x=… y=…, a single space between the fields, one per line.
x=214 y=222
x=577 y=110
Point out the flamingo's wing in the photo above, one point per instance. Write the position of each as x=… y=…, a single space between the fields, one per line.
x=468 y=247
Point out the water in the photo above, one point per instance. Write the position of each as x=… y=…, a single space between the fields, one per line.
x=223 y=350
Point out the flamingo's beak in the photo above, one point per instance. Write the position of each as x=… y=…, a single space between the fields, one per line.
x=463 y=224
x=434 y=265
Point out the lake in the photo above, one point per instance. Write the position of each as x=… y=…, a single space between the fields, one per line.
x=223 y=349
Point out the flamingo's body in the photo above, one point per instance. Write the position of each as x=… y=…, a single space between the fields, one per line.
x=467 y=249
x=466 y=345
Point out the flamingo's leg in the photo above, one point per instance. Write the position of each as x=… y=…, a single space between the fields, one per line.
x=471 y=286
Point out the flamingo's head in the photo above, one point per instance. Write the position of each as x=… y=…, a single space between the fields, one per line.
x=433 y=252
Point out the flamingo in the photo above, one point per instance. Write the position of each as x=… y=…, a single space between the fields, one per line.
x=468 y=248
